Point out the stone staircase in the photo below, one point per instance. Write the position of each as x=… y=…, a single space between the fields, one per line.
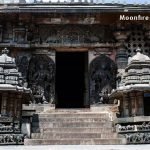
x=73 y=128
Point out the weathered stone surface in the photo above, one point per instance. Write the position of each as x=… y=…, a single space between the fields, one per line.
x=80 y=141
x=57 y=135
x=73 y=128
x=77 y=130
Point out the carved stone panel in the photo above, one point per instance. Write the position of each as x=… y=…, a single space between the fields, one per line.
x=102 y=79
x=74 y=34
x=41 y=78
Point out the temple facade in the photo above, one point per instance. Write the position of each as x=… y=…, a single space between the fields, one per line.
x=74 y=55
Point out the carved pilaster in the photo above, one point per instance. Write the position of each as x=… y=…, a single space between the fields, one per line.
x=126 y=105
x=121 y=34
x=4 y=103
x=140 y=105
x=133 y=104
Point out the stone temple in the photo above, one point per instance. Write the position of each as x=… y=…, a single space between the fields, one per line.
x=73 y=73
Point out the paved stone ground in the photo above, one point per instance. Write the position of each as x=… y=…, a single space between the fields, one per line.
x=78 y=147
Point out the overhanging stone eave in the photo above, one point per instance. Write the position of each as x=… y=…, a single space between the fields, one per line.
x=119 y=92
x=9 y=87
x=49 y=8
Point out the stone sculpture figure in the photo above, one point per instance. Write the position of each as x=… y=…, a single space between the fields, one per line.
x=102 y=78
x=41 y=78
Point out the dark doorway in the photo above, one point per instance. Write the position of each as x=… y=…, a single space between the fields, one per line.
x=70 y=79
x=146 y=104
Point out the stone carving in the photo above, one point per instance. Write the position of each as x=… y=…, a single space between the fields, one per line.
x=70 y=34
x=102 y=79
x=17 y=127
x=7 y=33
x=19 y=33
x=60 y=34
x=6 y=119
x=138 y=138
x=125 y=128
x=135 y=133
x=11 y=139
x=6 y=128
x=134 y=127
x=33 y=34
x=41 y=78
x=23 y=63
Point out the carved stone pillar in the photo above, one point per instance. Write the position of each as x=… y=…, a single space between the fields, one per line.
x=4 y=103
x=139 y=103
x=126 y=105
x=10 y=105
x=133 y=104
x=121 y=58
x=18 y=105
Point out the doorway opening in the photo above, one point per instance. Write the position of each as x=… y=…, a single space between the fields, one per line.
x=146 y=104
x=70 y=79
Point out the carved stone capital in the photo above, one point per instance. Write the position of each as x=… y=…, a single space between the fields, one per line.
x=121 y=35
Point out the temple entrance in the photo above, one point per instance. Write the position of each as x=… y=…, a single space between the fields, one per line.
x=71 y=68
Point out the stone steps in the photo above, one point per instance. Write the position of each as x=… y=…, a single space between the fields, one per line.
x=67 y=119
x=77 y=141
x=65 y=135
x=73 y=115
x=73 y=128
x=78 y=129
x=70 y=124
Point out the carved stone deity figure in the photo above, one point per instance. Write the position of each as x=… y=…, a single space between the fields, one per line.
x=41 y=78
x=102 y=78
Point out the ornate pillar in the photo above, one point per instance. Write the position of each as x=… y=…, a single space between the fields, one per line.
x=121 y=34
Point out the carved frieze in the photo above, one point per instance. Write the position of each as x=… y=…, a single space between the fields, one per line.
x=55 y=34
x=135 y=133
x=74 y=34
x=9 y=139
